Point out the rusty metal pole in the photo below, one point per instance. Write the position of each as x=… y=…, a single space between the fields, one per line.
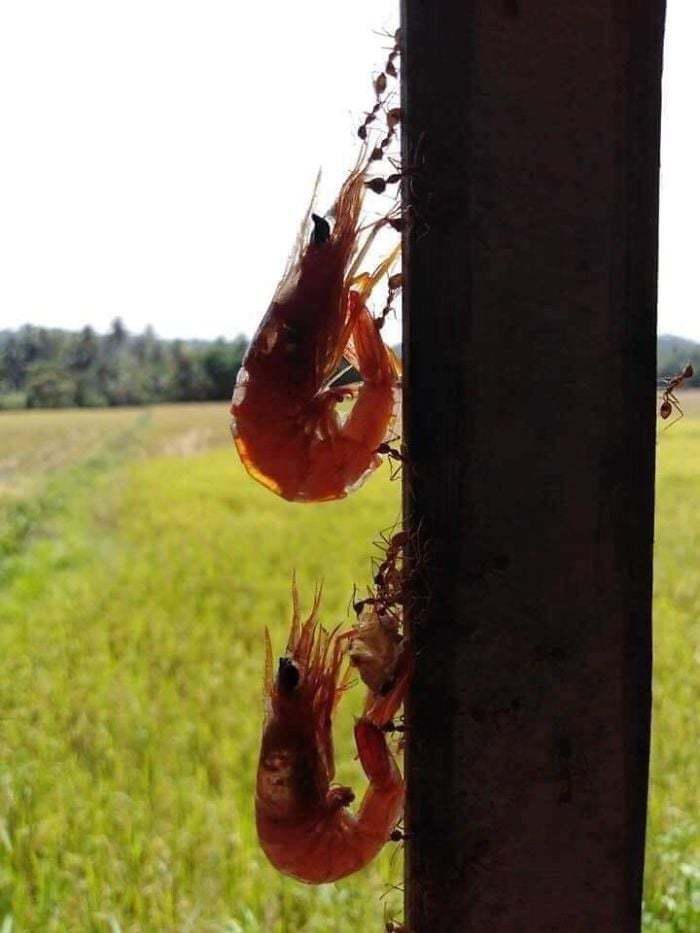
x=531 y=138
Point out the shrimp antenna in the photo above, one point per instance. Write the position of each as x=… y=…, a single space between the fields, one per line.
x=300 y=241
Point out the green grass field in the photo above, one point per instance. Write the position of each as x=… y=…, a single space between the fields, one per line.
x=138 y=568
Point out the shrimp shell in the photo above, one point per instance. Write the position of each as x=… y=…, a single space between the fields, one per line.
x=285 y=424
x=303 y=823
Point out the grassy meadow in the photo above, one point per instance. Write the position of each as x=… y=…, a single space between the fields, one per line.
x=138 y=568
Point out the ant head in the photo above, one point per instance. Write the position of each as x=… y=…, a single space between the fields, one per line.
x=665 y=409
x=322 y=230
x=688 y=372
x=386 y=689
x=393 y=117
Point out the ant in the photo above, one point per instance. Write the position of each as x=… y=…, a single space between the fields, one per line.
x=392 y=454
x=395 y=283
x=389 y=570
x=669 y=402
x=378 y=185
x=390 y=68
x=369 y=118
x=398 y=834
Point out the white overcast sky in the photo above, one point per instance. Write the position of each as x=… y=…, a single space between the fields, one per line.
x=156 y=156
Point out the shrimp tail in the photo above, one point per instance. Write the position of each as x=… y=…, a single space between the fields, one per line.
x=376 y=363
x=366 y=350
x=382 y=804
x=376 y=760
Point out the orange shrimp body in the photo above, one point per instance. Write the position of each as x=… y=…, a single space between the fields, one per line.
x=285 y=424
x=303 y=823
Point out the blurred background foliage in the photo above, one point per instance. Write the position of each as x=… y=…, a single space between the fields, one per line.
x=52 y=368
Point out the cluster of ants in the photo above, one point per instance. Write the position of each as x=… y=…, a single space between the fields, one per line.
x=386 y=596
x=386 y=599
x=387 y=664
x=393 y=117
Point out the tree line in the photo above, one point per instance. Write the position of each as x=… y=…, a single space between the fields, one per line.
x=52 y=368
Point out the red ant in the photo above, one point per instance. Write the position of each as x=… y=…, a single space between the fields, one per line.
x=395 y=283
x=393 y=549
x=370 y=118
x=669 y=402
x=390 y=68
x=392 y=454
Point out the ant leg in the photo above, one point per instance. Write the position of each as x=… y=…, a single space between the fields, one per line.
x=394 y=471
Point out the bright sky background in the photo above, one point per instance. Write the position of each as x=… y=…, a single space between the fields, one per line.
x=157 y=155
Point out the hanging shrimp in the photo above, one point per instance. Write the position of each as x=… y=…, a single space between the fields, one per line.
x=303 y=823
x=285 y=424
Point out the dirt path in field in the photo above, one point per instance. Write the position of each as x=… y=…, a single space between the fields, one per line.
x=36 y=444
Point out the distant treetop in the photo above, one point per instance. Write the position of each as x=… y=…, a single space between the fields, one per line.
x=51 y=368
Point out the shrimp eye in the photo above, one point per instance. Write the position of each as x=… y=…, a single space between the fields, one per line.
x=322 y=230
x=287 y=675
x=387 y=687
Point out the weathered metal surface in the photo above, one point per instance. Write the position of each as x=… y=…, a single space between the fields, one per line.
x=531 y=132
